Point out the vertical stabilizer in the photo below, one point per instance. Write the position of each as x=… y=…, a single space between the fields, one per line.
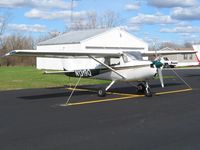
x=197 y=48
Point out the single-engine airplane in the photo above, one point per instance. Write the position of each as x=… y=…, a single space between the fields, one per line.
x=131 y=66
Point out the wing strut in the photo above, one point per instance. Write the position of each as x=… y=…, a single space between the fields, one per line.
x=66 y=104
x=107 y=67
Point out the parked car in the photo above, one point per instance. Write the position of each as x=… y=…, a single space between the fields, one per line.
x=168 y=63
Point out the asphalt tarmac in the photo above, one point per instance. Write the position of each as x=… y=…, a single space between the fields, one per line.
x=36 y=119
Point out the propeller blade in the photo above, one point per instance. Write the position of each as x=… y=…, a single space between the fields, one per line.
x=160 y=77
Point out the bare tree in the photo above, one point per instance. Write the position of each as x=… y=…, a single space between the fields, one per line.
x=108 y=20
x=4 y=18
x=170 y=45
x=92 y=20
x=47 y=36
x=79 y=24
x=14 y=42
x=188 y=45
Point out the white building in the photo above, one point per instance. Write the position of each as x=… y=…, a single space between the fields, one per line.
x=94 y=39
x=183 y=59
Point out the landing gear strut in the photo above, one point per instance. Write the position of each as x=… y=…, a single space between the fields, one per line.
x=143 y=88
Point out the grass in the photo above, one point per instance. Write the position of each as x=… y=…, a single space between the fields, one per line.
x=29 y=77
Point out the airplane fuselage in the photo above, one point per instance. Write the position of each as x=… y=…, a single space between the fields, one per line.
x=130 y=72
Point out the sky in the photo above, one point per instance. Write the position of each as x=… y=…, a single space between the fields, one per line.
x=175 y=21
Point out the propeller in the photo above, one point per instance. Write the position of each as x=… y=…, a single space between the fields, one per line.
x=159 y=70
x=159 y=67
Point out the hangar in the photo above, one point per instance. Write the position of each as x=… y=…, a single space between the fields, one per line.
x=93 y=39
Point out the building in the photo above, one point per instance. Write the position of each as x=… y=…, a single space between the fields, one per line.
x=183 y=59
x=94 y=39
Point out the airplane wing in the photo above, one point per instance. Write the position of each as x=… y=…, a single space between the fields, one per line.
x=64 y=54
x=95 y=53
x=151 y=53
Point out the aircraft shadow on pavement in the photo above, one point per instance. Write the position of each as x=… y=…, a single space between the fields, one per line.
x=89 y=90
x=44 y=96
x=166 y=85
x=53 y=95
x=192 y=75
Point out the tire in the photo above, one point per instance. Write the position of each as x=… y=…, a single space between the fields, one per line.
x=166 y=65
x=148 y=93
x=101 y=92
x=140 y=88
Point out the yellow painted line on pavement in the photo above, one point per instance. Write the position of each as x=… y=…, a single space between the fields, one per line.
x=104 y=100
x=175 y=91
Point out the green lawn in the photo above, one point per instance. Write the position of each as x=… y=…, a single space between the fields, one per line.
x=29 y=77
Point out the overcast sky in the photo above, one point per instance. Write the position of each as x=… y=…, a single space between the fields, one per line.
x=159 y=20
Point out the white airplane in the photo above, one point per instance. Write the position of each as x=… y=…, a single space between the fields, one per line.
x=131 y=66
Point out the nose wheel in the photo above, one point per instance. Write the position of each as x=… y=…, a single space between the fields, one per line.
x=143 y=88
x=102 y=92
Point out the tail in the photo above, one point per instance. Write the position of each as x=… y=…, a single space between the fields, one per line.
x=197 y=48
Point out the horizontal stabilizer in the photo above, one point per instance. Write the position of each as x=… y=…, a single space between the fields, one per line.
x=56 y=72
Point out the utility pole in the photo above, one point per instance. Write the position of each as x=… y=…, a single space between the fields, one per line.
x=71 y=16
x=72 y=12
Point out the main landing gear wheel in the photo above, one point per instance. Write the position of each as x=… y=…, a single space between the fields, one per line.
x=101 y=92
x=140 y=88
x=143 y=88
x=147 y=92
